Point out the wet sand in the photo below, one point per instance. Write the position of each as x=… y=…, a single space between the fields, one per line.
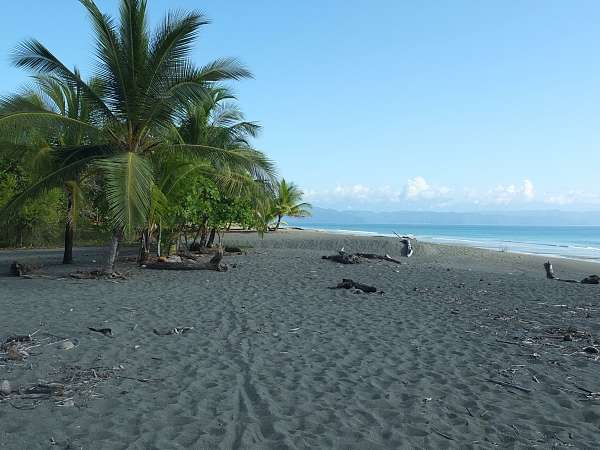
x=278 y=360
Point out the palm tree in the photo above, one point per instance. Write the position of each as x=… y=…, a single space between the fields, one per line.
x=217 y=122
x=288 y=202
x=46 y=150
x=144 y=78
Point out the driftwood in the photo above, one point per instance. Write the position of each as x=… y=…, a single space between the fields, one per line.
x=591 y=279
x=343 y=258
x=97 y=275
x=105 y=331
x=508 y=385
x=18 y=269
x=171 y=331
x=354 y=258
x=351 y=284
x=75 y=386
x=408 y=248
x=213 y=264
x=385 y=257
x=17 y=347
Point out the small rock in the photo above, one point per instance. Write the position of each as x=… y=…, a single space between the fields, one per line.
x=567 y=337
x=66 y=345
x=591 y=350
x=5 y=387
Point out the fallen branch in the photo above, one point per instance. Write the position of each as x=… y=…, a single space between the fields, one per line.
x=408 y=249
x=509 y=385
x=385 y=257
x=591 y=279
x=105 y=331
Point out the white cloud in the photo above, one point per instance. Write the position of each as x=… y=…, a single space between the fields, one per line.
x=420 y=193
x=528 y=190
x=572 y=197
x=507 y=194
x=418 y=188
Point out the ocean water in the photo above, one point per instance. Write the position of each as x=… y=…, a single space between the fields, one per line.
x=567 y=242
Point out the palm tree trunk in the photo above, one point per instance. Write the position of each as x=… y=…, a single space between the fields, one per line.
x=144 y=247
x=159 y=239
x=69 y=230
x=204 y=234
x=211 y=238
x=278 y=222
x=113 y=254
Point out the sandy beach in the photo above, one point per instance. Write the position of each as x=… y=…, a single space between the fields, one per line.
x=465 y=348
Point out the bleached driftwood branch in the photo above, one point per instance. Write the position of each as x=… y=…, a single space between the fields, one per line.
x=591 y=279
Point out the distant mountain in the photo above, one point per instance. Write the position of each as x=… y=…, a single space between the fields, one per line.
x=541 y=218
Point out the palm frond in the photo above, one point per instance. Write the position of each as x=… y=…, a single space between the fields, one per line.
x=129 y=184
x=33 y=55
x=223 y=69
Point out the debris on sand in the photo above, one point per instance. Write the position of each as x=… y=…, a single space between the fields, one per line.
x=351 y=284
x=171 y=331
x=105 y=331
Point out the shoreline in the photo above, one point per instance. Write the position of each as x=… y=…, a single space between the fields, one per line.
x=465 y=242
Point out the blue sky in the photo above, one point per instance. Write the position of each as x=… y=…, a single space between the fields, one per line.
x=387 y=104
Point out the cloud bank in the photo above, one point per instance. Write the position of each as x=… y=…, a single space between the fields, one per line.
x=420 y=193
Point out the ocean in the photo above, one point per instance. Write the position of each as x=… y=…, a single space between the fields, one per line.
x=568 y=242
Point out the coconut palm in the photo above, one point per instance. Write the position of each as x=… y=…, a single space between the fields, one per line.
x=144 y=78
x=45 y=150
x=216 y=122
x=288 y=202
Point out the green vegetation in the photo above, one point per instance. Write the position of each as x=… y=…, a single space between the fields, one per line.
x=288 y=202
x=152 y=147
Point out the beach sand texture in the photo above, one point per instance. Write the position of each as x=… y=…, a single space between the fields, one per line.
x=278 y=360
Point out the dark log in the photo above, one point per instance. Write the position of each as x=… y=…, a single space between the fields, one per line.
x=350 y=284
x=374 y=256
x=592 y=279
x=105 y=331
x=354 y=258
x=343 y=258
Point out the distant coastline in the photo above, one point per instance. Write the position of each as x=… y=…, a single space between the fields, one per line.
x=544 y=218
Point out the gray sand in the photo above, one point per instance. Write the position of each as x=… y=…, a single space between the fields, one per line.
x=277 y=360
